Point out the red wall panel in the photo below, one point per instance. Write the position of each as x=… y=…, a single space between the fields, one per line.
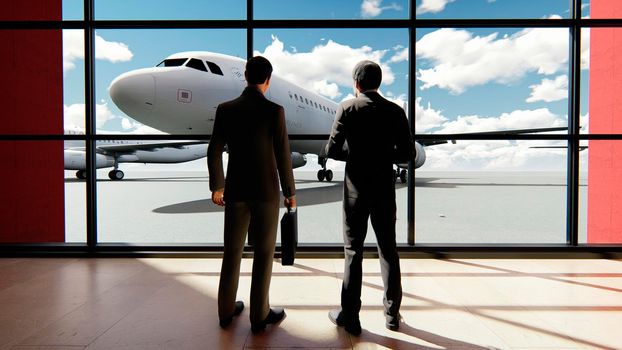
x=605 y=107
x=31 y=96
x=28 y=10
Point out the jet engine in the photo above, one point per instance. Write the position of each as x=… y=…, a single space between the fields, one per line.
x=298 y=160
x=76 y=160
x=420 y=156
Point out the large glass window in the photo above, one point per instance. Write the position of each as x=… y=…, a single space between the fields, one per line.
x=432 y=9
x=317 y=65
x=134 y=96
x=73 y=9
x=501 y=78
x=169 y=10
x=473 y=80
x=327 y=9
x=492 y=192
x=157 y=203
x=156 y=191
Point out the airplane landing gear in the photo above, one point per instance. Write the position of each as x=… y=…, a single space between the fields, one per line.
x=401 y=173
x=324 y=174
x=81 y=174
x=116 y=175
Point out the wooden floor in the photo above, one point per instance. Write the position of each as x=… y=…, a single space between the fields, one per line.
x=448 y=304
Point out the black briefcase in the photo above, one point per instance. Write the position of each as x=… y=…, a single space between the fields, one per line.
x=289 y=236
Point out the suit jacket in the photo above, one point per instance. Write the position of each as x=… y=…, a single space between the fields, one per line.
x=370 y=134
x=254 y=131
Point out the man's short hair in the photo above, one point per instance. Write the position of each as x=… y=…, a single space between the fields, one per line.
x=368 y=74
x=258 y=69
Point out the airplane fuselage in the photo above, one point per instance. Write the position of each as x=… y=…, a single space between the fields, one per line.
x=181 y=97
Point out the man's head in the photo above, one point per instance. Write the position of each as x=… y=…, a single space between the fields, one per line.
x=258 y=70
x=367 y=76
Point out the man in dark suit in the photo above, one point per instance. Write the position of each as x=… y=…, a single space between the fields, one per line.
x=370 y=134
x=254 y=131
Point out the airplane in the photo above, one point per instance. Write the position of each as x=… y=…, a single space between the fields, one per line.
x=180 y=96
x=111 y=153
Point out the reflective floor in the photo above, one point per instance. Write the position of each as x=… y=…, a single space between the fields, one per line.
x=448 y=304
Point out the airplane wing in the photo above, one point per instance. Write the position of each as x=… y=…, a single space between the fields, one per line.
x=426 y=143
x=581 y=148
x=147 y=146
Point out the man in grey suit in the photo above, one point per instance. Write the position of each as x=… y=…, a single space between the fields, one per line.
x=254 y=131
x=370 y=134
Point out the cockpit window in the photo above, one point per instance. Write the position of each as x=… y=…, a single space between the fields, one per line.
x=172 y=62
x=214 y=68
x=196 y=64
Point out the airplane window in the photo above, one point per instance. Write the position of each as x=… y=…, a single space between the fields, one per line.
x=296 y=96
x=172 y=62
x=214 y=68
x=306 y=101
x=315 y=104
x=196 y=64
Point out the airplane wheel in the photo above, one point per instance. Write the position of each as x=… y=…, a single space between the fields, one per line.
x=81 y=174
x=320 y=175
x=394 y=176
x=329 y=175
x=116 y=175
x=403 y=174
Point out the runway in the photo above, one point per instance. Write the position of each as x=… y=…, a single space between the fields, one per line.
x=174 y=207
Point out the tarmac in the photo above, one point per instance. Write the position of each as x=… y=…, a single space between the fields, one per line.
x=483 y=207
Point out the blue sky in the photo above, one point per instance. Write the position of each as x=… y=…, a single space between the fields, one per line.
x=467 y=79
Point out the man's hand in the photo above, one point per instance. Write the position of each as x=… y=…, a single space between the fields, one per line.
x=218 y=197
x=290 y=202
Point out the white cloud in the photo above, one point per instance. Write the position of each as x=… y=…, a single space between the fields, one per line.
x=127 y=124
x=550 y=90
x=373 y=8
x=73 y=49
x=327 y=89
x=427 y=118
x=111 y=51
x=585 y=48
x=329 y=59
x=461 y=60
x=74 y=120
x=144 y=129
x=400 y=56
x=497 y=155
x=432 y=6
x=491 y=154
x=74 y=116
x=518 y=119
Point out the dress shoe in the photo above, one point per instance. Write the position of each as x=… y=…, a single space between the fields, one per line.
x=239 y=306
x=274 y=316
x=351 y=326
x=393 y=322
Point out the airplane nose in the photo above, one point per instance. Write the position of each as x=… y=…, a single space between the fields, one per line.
x=134 y=93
